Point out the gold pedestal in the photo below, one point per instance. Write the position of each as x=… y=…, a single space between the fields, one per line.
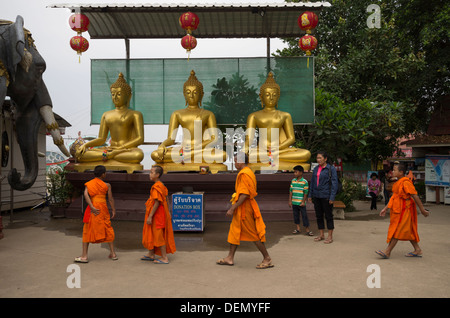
x=282 y=165
x=213 y=167
x=110 y=165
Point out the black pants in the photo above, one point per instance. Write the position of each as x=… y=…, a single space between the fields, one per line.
x=387 y=196
x=373 y=205
x=300 y=211
x=323 y=209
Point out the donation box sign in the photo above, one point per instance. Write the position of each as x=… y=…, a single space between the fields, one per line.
x=188 y=211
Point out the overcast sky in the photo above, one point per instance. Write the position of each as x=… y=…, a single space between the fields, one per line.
x=69 y=81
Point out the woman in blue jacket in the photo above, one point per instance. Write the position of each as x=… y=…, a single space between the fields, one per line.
x=322 y=192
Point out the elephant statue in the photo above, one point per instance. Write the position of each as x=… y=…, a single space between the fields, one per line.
x=21 y=68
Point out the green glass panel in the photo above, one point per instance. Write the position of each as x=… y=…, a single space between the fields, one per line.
x=231 y=86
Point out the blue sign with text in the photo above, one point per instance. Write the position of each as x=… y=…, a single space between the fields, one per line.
x=187 y=212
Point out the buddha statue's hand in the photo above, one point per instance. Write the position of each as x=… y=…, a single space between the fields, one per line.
x=160 y=152
x=111 y=153
x=80 y=151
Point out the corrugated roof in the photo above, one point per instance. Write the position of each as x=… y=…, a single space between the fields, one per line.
x=252 y=20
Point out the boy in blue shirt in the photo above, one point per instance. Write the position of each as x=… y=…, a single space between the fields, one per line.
x=298 y=193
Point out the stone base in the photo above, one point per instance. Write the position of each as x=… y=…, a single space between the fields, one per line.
x=111 y=165
x=131 y=191
x=338 y=213
x=282 y=166
x=192 y=167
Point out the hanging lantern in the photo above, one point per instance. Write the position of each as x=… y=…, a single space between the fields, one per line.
x=307 y=43
x=189 y=43
x=79 y=44
x=79 y=23
x=189 y=21
x=307 y=21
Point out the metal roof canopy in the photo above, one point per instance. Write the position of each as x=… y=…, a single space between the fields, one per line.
x=139 y=21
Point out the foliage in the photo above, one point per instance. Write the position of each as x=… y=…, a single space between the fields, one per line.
x=420 y=188
x=405 y=60
x=232 y=97
x=350 y=192
x=59 y=190
x=353 y=131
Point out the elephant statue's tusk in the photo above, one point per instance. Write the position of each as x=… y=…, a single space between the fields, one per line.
x=53 y=128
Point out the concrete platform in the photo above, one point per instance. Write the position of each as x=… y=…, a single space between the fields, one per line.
x=131 y=191
x=37 y=252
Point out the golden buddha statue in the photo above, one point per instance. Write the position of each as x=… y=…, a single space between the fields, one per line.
x=276 y=134
x=200 y=134
x=126 y=129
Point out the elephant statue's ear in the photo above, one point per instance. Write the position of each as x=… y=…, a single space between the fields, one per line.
x=17 y=43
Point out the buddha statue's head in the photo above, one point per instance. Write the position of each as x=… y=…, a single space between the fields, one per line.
x=193 y=90
x=121 y=92
x=269 y=92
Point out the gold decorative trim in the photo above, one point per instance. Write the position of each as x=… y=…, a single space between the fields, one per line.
x=52 y=126
x=60 y=142
x=4 y=72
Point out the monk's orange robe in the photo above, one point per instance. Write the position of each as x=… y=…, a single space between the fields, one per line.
x=98 y=228
x=160 y=232
x=403 y=212
x=247 y=223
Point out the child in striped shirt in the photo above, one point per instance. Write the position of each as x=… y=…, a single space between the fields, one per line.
x=298 y=193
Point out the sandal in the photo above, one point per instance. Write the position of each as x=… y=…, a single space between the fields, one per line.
x=382 y=254
x=222 y=262
x=412 y=254
x=328 y=241
x=319 y=238
x=264 y=265
x=296 y=232
x=81 y=260
x=309 y=233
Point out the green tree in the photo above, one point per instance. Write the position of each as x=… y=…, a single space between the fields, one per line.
x=401 y=68
x=352 y=131
x=230 y=97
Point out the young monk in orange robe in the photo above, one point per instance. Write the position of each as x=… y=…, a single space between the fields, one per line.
x=157 y=234
x=403 y=214
x=97 y=227
x=247 y=223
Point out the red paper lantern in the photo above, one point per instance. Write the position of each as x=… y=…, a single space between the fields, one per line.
x=189 y=42
x=79 y=22
x=79 y=44
x=307 y=21
x=189 y=21
x=307 y=43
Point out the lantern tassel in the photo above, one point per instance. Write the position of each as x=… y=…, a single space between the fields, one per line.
x=307 y=63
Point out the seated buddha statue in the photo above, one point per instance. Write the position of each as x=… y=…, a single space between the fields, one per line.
x=276 y=134
x=126 y=129
x=199 y=135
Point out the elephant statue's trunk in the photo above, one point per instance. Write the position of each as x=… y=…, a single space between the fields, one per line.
x=27 y=129
x=50 y=122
